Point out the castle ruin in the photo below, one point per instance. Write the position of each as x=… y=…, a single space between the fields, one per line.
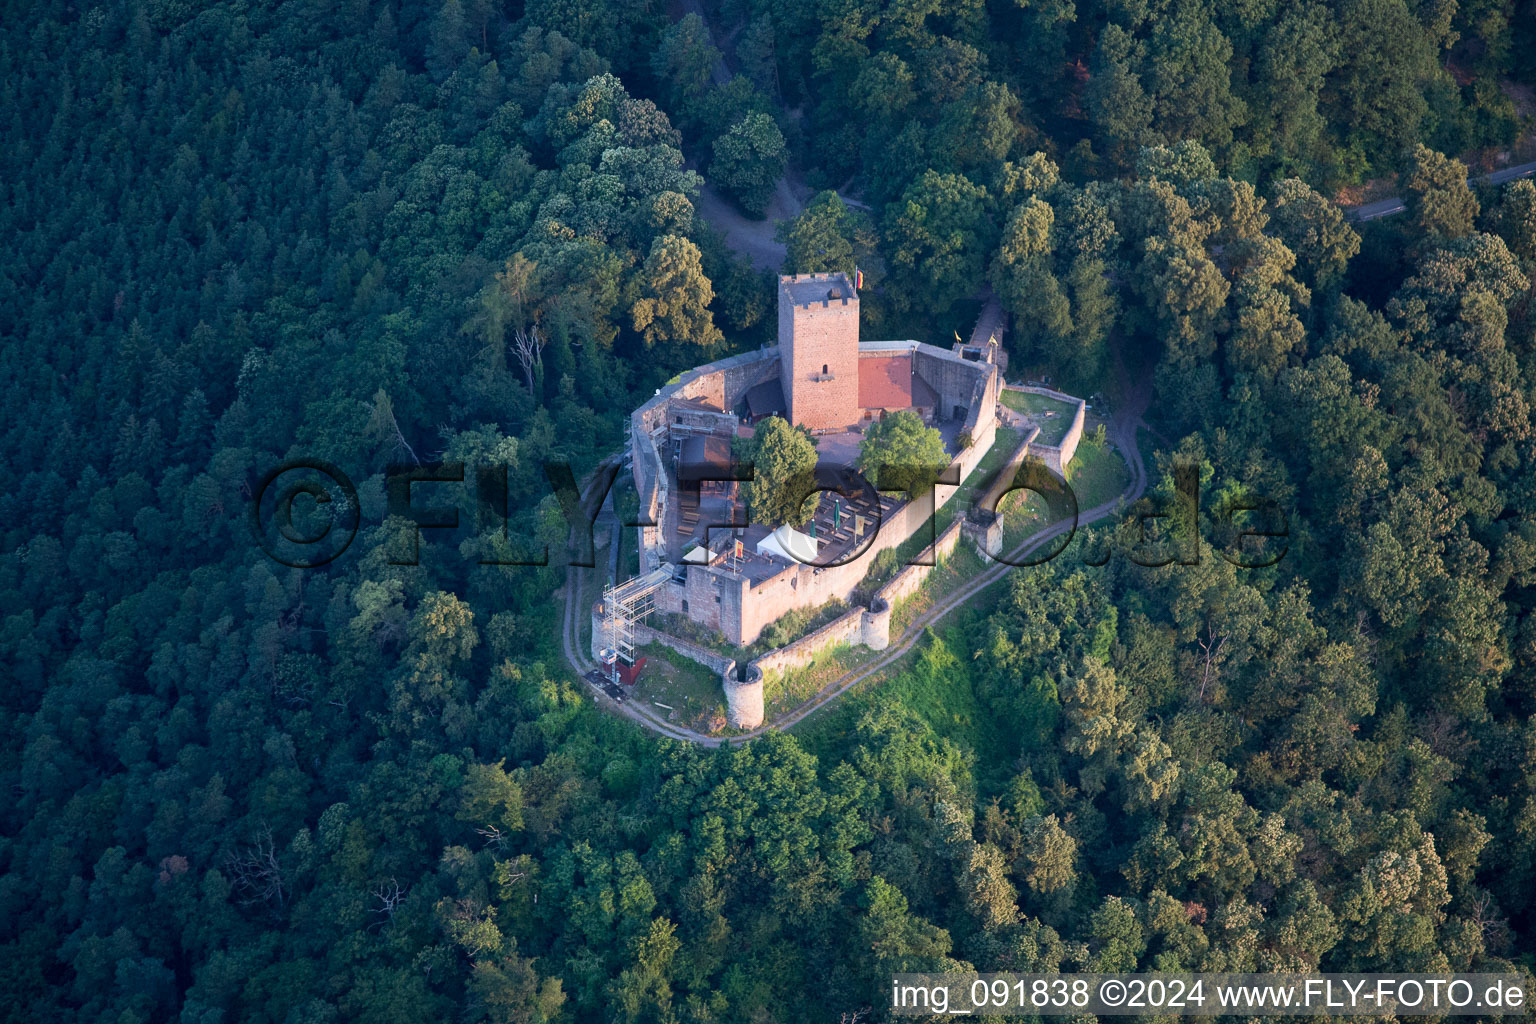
x=701 y=558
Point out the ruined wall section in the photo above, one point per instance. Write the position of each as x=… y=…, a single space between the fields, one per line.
x=652 y=426
x=868 y=626
x=1058 y=457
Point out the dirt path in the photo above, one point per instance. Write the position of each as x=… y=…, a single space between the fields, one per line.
x=1123 y=429
x=750 y=238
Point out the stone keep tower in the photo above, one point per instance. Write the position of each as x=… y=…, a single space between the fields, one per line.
x=819 y=350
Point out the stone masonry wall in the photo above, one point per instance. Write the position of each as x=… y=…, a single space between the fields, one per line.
x=703 y=655
x=843 y=629
x=861 y=625
x=905 y=583
x=1006 y=475
x=807 y=586
x=1068 y=444
x=1058 y=457
x=820 y=334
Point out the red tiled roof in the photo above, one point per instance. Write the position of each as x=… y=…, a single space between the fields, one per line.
x=888 y=382
x=885 y=382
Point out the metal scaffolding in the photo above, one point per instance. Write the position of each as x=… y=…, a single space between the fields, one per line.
x=624 y=605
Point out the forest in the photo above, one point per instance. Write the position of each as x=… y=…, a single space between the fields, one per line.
x=372 y=233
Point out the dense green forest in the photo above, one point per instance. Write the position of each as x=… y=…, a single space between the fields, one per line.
x=366 y=232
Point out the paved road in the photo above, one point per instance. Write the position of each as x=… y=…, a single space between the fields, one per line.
x=1122 y=430
x=1387 y=207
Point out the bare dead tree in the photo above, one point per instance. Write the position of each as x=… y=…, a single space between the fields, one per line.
x=854 y=1016
x=384 y=425
x=256 y=873
x=390 y=896
x=528 y=348
x=1483 y=913
x=1211 y=645
x=493 y=836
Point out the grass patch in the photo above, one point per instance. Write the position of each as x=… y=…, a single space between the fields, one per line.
x=785 y=691
x=959 y=566
x=691 y=691
x=1051 y=415
x=1097 y=475
x=935 y=683
x=1005 y=442
x=791 y=626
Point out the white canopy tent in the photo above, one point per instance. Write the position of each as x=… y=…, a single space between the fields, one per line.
x=789 y=544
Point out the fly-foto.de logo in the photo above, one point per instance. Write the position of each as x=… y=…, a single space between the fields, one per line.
x=305 y=513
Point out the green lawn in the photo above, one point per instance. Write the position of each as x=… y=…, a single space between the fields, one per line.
x=787 y=690
x=935 y=682
x=692 y=693
x=1005 y=440
x=1052 y=416
x=1097 y=475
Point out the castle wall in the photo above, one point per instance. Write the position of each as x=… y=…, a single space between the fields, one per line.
x=868 y=626
x=1074 y=434
x=959 y=382
x=905 y=583
x=703 y=655
x=650 y=485
x=844 y=629
x=1005 y=476
x=722 y=383
x=807 y=586
x=1059 y=457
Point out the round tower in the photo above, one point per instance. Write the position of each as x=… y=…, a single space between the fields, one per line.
x=743 y=696
x=875 y=625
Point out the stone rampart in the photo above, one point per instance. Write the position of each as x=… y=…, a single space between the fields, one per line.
x=905 y=583
x=1005 y=476
x=1059 y=456
x=844 y=629
x=868 y=626
x=711 y=660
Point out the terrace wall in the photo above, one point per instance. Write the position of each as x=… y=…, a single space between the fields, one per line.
x=1059 y=456
x=868 y=626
